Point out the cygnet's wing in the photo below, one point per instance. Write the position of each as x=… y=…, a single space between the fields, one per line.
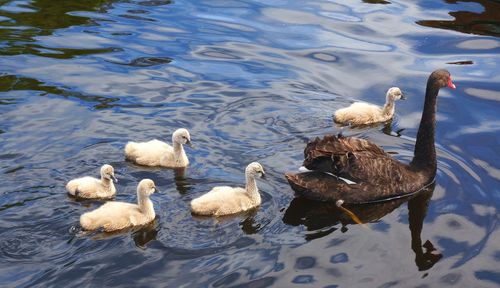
x=119 y=215
x=85 y=187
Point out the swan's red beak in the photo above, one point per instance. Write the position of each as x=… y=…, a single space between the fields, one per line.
x=450 y=84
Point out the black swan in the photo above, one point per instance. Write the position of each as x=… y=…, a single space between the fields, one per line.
x=377 y=176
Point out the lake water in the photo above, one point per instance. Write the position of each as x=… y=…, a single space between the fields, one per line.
x=252 y=81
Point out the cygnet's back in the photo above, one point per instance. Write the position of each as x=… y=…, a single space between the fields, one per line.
x=119 y=215
x=90 y=187
x=225 y=200
x=361 y=113
x=147 y=153
x=158 y=153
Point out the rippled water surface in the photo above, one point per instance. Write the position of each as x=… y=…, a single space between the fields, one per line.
x=252 y=81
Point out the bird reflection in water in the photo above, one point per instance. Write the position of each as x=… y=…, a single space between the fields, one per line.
x=142 y=235
x=321 y=219
x=386 y=128
x=248 y=223
x=145 y=234
x=181 y=182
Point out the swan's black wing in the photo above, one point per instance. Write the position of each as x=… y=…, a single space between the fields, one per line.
x=323 y=186
x=355 y=159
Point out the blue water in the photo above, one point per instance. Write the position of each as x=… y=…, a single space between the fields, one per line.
x=252 y=81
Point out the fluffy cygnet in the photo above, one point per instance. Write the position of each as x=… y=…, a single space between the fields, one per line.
x=364 y=113
x=90 y=187
x=158 y=153
x=226 y=200
x=119 y=215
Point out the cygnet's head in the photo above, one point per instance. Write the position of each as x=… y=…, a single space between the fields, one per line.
x=146 y=187
x=394 y=93
x=108 y=172
x=181 y=136
x=255 y=169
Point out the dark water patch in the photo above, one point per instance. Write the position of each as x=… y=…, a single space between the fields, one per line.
x=10 y=156
x=325 y=57
x=137 y=11
x=146 y=61
x=259 y=283
x=219 y=53
x=389 y=284
x=376 y=2
x=488 y=275
x=15 y=83
x=13 y=170
x=154 y=3
x=136 y=17
x=67 y=53
x=303 y=279
x=339 y=258
x=42 y=18
x=483 y=22
x=57 y=53
x=465 y=62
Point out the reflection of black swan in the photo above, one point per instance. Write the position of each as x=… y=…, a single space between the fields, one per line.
x=318 y=215
x=378 y=176
x=321 y=218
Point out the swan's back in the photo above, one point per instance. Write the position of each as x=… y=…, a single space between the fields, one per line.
x=340 y=149
x=147 y=153
x=222 y=200
x=90 y=187
x=356 y=159
x=360 y=113
x=83 y=185
x=114 y=216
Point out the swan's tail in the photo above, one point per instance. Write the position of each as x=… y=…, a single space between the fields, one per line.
x=199 y=207
x=130 y=149
x=89 y=222
x=72 y=187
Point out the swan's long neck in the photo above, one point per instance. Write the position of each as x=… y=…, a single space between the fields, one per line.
x=146 y=205
x=425 y=151
x=179 y=153
x=251 y=188
x=106 y=183
x=389 y=108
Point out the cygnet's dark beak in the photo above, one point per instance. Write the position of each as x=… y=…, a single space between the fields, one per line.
x=156 y=190
x=403 y=96
x=263 y=175
x=188 y=142
x=113 y=178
